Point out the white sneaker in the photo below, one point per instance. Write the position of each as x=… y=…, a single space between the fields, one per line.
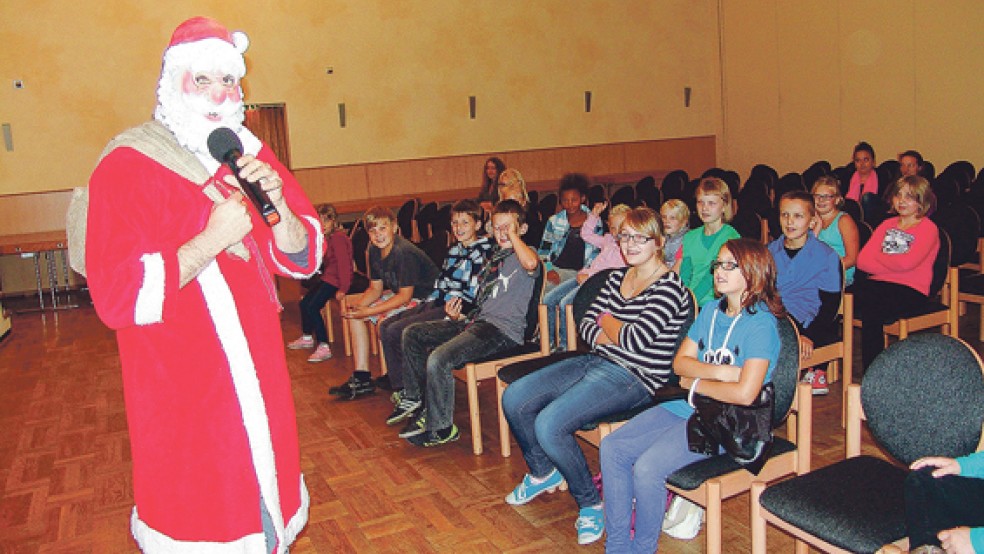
x=674 y=514
x=689 y=525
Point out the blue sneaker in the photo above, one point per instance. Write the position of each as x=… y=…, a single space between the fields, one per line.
x=590 y=524
x=527 y=490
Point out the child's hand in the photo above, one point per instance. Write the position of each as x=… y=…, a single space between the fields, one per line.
x=816 y=224
x=340 y=295
x=581 y=278
x=944 y=466
x=453 y=308
x=956 y=541
x=806 y=347
x=598 y=208
x=553 y=277
x=357 y=312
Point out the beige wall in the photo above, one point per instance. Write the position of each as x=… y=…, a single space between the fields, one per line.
x=404 y=69
x=806 y=80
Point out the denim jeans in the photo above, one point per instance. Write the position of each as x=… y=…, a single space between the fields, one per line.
x=546 y=408
x=934 y=504
x=391 y=335
x=556 y=301
x=635 y=462
x=311 y=304
x=432 y=350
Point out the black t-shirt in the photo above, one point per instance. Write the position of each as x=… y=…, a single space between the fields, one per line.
x=406 y=266
x=572 y=256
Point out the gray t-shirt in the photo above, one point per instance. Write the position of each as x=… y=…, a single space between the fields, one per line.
x=505 y=304
x=406 y=266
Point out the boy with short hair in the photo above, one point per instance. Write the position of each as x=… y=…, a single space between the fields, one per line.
x=458 y=278
x=401 y=276
x=562 y=248
x=436 y=348
x=808 y=276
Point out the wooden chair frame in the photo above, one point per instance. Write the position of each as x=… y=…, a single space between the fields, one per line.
x=840 y=354
x=964 y=297
x=760 y=517
x=472 y=373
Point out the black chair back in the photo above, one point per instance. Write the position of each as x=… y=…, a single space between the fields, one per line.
x=962 y=172
x=748 y=224
x=625 y=195
x=360 y=248
x=853 y=209
x=596 y=194
x=766 y=174
x=673 y=184
x=547 y=206
x=963 y=226
x=786 y=374
x=941 y=264
x=425 y=220
x=532 y=332
x=404 y=218
x=754 y=197
x=442 y=220
x=925 y=396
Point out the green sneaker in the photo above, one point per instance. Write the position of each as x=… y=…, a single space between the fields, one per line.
x=436 y=438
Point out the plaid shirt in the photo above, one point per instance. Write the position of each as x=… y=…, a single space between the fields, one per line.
x=460 y=272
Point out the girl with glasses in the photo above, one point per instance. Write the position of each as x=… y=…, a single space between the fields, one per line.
x=632 y=327
x=729 y=354
x=833 y=228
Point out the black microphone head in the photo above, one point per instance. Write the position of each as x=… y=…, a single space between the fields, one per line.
x=224 y=145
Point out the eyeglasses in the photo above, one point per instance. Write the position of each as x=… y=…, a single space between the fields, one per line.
x=727 y=266
x=634 y=239
x=824 y=196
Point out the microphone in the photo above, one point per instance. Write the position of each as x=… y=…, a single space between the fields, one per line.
x=226 y=147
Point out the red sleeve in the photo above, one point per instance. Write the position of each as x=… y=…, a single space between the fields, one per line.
x=131 y=253
x=302 y=208
x=343 y=257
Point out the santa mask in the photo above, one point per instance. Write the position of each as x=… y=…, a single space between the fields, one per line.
x=199 y=89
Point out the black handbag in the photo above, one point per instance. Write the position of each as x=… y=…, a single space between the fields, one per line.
x=744 y=432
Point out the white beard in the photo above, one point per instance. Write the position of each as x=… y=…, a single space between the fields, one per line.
x=186 y=115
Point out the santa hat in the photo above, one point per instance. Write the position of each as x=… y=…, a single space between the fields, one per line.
x=204 y=43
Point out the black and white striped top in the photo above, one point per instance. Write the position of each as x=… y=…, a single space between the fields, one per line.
x=652 y=322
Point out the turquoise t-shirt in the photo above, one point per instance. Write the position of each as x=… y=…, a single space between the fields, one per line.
x=699 y=250
x=732 y=340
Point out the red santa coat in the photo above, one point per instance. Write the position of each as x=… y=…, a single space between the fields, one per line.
x=208 y=399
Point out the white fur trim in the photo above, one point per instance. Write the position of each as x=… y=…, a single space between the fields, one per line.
x=209 y=54
x=225 y=316
x=240 y=41
x=153 y=541
x=150 y=298
x=314 y=227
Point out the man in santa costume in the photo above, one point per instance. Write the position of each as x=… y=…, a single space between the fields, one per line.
x=180 y=265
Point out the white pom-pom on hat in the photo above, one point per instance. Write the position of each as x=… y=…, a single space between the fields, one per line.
x=201 y=28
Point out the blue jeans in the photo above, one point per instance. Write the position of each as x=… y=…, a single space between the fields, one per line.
x=635 y=462
x=391 y=336
x=556 y=301
x=311 y=304
x=432 y=350
x=546 y=408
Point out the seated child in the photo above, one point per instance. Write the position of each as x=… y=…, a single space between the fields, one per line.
x=808 y=278
x=701 y=245
x=676 y=222
x=898 y=259
x=835 y=227
x=334 y=281
x=458 y=279
x=632 y=326
x=944 y=505
x=432 y=350
x=406 y=274
x=729 y=353
x=610 y=256
x=562 y=248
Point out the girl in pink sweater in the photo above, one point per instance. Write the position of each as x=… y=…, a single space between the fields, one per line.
x=609 y=257
x=899 y=262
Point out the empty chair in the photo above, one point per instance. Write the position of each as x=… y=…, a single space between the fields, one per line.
x=733 y=181
x=404 y=218
x=922 y=396
x=749 y=225
x=787 y=183
x=425 y=220
x=625 y=195
x=547 y=206
x=853 y=209
x=673 y=184
x=754 y=197
x=962 y=172
x=442 y=220
x=766 y=174
x=648 y=193
x=816 y=170
x=597 y=194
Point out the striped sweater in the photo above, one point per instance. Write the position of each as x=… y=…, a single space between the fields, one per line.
x=652 y=323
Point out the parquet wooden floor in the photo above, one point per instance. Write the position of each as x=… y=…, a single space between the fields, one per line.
x=65 y=460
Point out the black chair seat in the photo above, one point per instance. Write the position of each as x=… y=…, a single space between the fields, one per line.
x=512 y=372
x=972 y=284
x=856 y=504
x=696 y=474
